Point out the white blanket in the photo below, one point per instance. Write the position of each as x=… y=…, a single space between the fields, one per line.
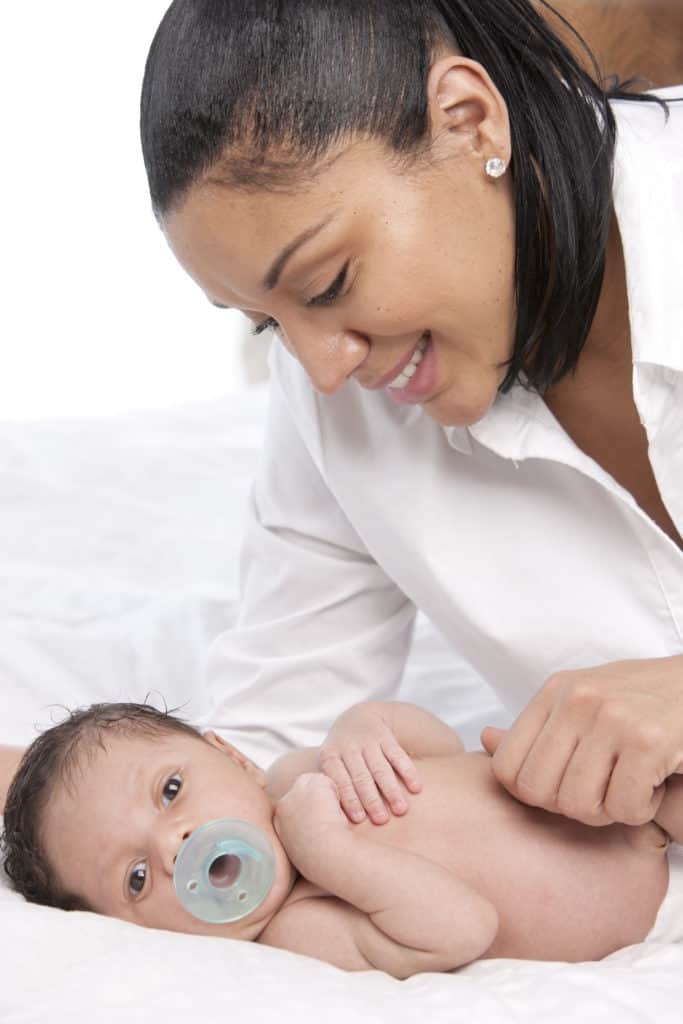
x=118 y=548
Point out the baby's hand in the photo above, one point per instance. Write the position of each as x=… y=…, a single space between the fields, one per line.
x=307 y=814
x=365 y=760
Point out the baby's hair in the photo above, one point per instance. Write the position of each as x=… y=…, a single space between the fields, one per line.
x=52 y=759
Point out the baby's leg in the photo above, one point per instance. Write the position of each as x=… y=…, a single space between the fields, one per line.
x=670 y=813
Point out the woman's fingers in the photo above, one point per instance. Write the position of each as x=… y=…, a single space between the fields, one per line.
x=551 y=758
x=541 y=775
x=516 y=744
x=596 y=745
x=491 y=737
x=582 y=793
x=631 y=796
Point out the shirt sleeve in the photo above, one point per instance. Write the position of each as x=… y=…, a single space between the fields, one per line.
x=320 y=625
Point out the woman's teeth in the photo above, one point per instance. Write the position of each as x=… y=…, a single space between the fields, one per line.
x=410 y=370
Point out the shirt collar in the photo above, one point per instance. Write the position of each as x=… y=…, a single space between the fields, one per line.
x=648 y=203
x=648 y=186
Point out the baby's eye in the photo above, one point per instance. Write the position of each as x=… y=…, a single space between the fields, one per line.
x=171 y=789
x=137 y=878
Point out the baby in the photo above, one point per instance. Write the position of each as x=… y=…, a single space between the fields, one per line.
x=445 y=866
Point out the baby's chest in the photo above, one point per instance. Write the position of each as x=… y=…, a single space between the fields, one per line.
x=516 y=854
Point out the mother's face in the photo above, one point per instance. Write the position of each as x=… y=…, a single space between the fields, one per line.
x=371 y=268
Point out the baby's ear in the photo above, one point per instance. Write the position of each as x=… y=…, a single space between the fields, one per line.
x=256 y=773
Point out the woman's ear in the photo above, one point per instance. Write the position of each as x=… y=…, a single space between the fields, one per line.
x=256 y=773
x=468 y=114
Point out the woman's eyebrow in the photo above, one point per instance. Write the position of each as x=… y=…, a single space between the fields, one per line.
x=277 y=266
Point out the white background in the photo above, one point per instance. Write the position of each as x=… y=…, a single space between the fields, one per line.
x=95 y=315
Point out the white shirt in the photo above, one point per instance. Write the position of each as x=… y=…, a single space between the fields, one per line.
x=521 y=549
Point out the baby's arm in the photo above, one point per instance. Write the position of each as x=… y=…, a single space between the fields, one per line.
x=9 y=762
x=354 y=755
x=410 y=914
x=417 y=730
x=370 y=748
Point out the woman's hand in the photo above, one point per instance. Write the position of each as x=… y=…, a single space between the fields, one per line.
x=596 y=744
x=366 y=762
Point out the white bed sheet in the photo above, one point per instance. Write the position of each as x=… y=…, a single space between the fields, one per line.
x=118 y=565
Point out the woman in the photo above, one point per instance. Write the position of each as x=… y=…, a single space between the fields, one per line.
x=472 y=263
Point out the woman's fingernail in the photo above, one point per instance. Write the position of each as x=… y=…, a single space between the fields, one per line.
x=357 y=815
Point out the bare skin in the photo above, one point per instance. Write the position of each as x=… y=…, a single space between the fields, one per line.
x=458 y=870
x=443 y=226
x=595 y=404
x=632 y=38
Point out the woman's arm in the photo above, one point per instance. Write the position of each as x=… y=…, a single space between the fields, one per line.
x=9 y=762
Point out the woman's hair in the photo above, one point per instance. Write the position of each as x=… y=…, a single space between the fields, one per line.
x=253 y=94
x=52 y=759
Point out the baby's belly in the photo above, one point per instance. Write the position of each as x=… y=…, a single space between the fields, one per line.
x=563 y=890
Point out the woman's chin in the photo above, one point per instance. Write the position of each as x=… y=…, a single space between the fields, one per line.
x=451 y=409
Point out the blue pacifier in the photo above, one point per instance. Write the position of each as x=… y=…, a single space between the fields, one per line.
x=224 y=870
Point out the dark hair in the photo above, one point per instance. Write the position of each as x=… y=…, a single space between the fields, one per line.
x=256 y=92
x=53 y=758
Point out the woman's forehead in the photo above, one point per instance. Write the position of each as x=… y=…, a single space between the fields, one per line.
x=229 y=240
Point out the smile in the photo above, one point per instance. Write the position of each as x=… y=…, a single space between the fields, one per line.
x=417 y=378
x=409 y=371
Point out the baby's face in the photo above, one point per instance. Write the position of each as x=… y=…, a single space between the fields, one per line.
x=113 y=835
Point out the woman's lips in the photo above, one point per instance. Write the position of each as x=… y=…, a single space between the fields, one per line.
x=385 y=381
x=423 y=382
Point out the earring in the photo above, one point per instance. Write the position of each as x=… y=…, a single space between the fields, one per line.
x=495 y=167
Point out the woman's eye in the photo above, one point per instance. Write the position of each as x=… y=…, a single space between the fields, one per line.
x=327 y=297
x=333 y=291
x=266 y=325
x=171 y=789
x=137 y=879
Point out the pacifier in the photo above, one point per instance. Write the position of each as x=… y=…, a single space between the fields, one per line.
x=224 y=870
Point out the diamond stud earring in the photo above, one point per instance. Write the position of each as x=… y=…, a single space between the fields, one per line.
x=495 y=167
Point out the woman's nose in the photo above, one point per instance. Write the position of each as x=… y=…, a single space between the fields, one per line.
x=329 y=359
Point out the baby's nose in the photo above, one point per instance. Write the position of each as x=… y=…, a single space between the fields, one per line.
x=170 y=846
x=185 y=835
